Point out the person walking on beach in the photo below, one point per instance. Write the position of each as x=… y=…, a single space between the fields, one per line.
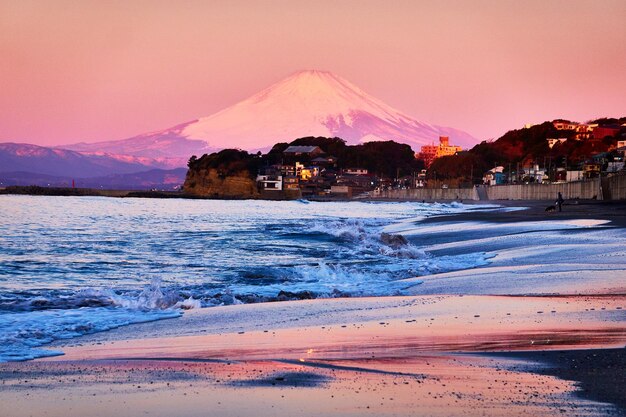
x=559 y=200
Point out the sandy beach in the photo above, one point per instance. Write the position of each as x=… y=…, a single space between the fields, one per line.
x=525 y=334
x=279 y=208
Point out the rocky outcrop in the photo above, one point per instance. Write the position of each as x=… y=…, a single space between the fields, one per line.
x=214 y=184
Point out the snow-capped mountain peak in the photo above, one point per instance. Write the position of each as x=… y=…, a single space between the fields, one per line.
x=307 y=103
x=312 y=103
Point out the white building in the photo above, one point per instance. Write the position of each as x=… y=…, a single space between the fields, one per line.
x=574 y=176
x=554 y=141
x=534 y=174
x=270 y=182
x=615 y=166
x=355 y=171
x=495 y=176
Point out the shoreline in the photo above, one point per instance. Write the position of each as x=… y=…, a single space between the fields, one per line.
x=93 y=192
x=433 y=351
x=611 y=210
x=389 y=356
x=591 y=368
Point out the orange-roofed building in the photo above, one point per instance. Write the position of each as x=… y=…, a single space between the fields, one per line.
x=429 y=153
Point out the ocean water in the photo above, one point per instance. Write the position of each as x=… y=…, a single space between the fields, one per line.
x=70 y=266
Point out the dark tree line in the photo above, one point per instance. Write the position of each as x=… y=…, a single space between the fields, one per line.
x=385 y=159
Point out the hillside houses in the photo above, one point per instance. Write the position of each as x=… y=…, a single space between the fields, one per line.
x=299 y=151
x=589 y=131
x=300 y=166
x=311 y=171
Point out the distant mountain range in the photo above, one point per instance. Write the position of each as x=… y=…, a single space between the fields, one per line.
x=163 y=145
x=308 y=103
x=24 y=164
x=160 y=179
x=54 y=161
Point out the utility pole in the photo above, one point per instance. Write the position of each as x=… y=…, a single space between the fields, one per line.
x=550 y=169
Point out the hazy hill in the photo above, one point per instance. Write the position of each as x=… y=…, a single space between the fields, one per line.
x=156 y=178
x=23 y=157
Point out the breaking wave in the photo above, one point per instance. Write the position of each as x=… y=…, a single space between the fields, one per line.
x=25 y=325
x=60 y=280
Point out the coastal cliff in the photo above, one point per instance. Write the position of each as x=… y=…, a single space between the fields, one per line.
x=225 y=174
x=213 y=183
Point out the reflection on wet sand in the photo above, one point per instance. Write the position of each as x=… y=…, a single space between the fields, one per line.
x=434 y=385
x=418 y=324
x=428 y=356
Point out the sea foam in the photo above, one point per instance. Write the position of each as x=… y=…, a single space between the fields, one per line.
x=24 y=330
x=70 y=267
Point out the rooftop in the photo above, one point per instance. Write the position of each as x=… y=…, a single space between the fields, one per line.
x=301 y=149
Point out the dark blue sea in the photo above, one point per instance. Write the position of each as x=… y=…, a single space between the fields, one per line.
x=70 y=266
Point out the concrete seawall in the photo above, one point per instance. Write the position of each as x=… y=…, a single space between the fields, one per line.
x=585 y=190
x=608 y=188
x=429 y=194
x=614 y=187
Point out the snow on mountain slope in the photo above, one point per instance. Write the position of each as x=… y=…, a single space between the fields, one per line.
x=307 y=103
x=163 y=145
x=21 y=157
x=313 y=103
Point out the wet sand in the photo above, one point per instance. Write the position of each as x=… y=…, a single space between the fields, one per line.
x=433 y=355
x=434 y=385
x=615 y=211
x=365 y=328
x=557 y=349
x=600 y=373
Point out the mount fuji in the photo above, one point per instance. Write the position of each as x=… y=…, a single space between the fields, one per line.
x=307 y=103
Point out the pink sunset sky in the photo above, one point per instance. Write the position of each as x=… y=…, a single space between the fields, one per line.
x=101 y=70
